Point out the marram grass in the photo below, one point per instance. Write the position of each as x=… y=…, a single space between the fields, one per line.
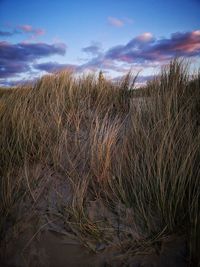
x=140 y=153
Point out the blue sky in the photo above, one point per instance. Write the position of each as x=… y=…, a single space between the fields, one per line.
x=43 y=36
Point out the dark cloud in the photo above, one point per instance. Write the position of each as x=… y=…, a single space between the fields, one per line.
x=23 y=29
x=94 y=49
x=6 y=33
x=96 y=62
x=54 y=67
x=146 y=48
x=10 y=69
x=29 y=51
x=92 y=65
x=16 y=58
x=143 y=51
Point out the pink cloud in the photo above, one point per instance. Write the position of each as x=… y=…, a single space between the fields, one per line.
x=191 y=43
x=145 y=37
x=115 y=22
x=145 y=47
x=26 y=28
x=39 y=31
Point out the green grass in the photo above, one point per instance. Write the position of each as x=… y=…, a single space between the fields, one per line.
x=137 y=158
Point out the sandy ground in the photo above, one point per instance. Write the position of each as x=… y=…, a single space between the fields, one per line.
x=40 y=238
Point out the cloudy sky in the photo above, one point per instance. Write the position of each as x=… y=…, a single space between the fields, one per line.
x=44 y=36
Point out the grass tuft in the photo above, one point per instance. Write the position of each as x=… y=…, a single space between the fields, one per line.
x=136 y=152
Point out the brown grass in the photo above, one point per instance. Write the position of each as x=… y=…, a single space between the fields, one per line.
x=143 y=160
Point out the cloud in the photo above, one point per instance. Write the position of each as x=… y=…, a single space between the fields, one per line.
x=115 y=22
x=30 y=51
x=146 y=48
x=100 y=62
x=145 y=37
x=16 y=58
x=142 y=52
x=94 y=49
x=92 y=65
x=10 y=69
x=145 y=51
x=6 y=33
x=23 y=29
x=29 y=29
x=54 y=67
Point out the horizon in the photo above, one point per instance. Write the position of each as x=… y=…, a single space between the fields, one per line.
x=42 y=37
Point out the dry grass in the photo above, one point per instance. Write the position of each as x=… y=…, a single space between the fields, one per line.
x=141 y=161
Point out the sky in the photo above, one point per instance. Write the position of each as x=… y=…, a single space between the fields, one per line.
x=45 y=36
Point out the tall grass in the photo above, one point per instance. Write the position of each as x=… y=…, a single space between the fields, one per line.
x=137 y=157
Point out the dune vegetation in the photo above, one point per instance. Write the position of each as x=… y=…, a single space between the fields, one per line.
x=113 y=167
